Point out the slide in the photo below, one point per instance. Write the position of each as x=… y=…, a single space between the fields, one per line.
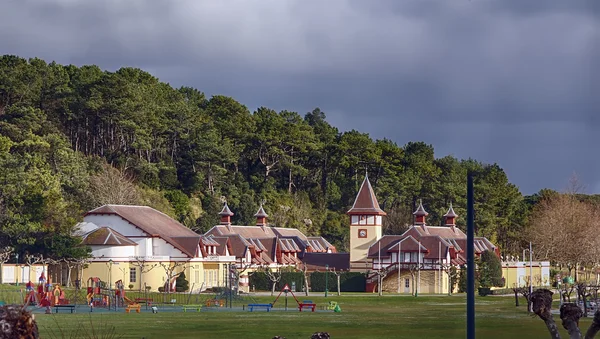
x=129 y=301
x=89 y=297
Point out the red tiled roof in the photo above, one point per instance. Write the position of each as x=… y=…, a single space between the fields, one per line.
x=151 y=222
x=366 y=202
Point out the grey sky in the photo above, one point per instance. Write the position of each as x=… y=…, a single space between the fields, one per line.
x=509 y=81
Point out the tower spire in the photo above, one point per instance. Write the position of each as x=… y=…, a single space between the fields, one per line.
x=420 y=215
x=365 y=201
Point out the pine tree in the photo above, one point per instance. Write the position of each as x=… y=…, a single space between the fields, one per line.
x=181 y=284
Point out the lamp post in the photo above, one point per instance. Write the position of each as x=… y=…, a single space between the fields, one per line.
x=17 y=259
x=530 y=273
x=326 y=279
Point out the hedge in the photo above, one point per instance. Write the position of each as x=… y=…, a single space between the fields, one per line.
x=259 y=281
x=349 y=282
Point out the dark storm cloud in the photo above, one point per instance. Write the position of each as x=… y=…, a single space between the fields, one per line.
x=507 y=81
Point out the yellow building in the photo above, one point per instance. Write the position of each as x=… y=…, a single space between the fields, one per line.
x=145 y=248
x=516 y=273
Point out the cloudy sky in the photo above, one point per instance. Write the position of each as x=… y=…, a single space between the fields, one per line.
x=515 y=82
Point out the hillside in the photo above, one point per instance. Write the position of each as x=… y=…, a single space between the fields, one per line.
x=73 y=138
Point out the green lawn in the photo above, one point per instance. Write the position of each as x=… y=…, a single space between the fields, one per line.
x=362 y=316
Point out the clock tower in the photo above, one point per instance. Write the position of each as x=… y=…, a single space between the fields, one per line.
x=365 y=225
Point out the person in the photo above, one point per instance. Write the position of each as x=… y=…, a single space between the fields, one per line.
x=29 y=286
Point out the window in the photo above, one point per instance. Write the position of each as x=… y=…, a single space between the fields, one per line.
x=132 y=275
x=406 y=283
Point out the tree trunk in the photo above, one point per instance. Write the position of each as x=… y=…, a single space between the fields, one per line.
x=594 y=327
x=306 y=283
x=273 y=288
x=516 y=297
x=570 y=315
x=542 y=306
x=338 y=285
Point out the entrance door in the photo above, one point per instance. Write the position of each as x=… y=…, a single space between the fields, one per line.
x=406 y=285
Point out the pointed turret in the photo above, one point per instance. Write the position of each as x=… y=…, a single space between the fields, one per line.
x=261 y=216
x=450 y=216
x=420 y=215
x=261 y=219
x=366 y=202
x=225 y=215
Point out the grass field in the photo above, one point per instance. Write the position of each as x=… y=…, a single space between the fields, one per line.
x=362 y=316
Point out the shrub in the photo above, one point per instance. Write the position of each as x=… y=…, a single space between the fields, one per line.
x=490 y=270
x=161 y=289
x=130 y=286
x=181 y=284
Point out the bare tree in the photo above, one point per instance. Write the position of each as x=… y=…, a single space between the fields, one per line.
x=32 y=259
x=569 y=314
x=338 y=274
x=170 y=272
x=561 y=229
x=144 y=268
x=237 y=272
x=274 y=277
x=305 y=274
x=5 y=254
x=112 y=186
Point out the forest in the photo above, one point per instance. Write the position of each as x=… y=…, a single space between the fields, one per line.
x=74 y=138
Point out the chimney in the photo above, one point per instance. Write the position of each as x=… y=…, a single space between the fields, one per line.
x=226 y=216
x=261 y=218
x=420 y=215
x=450 y=218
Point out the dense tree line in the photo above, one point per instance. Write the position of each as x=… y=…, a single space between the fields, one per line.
x=68 y=132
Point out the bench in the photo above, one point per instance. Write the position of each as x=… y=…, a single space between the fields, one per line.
x=192 y=307
x=251 y=307
x=307 y=304
x=136 y=307
x=57 y=307
x=144 y=300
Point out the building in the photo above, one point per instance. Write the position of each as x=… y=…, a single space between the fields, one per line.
x=417 y=261
x=263 y=246
x=144 y=248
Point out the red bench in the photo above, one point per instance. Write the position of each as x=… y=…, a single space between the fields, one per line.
x=307 y=304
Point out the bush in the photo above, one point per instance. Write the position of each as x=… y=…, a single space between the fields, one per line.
x=161 y=289
x=490 y=270
x=349 y=282
x=181 y=284
x=130 y=286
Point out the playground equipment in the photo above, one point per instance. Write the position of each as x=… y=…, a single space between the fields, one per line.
x=97 y=293
x=44 y=295
x=301 y=305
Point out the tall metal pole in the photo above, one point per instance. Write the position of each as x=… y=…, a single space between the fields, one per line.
x=440 y=268
x=418 y=271
x=379 y=270
x=399 y=269
x=326 y=279
x=530 y=276
x=470 y=261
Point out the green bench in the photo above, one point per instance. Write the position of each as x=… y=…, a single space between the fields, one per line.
x=192 y=307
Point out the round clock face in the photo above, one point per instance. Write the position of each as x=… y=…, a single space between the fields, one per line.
x=362 y=233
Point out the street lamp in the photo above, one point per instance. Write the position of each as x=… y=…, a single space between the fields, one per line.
x=326 y=279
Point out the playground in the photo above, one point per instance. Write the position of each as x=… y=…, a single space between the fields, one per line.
x=135 y=314
x=363 y=316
